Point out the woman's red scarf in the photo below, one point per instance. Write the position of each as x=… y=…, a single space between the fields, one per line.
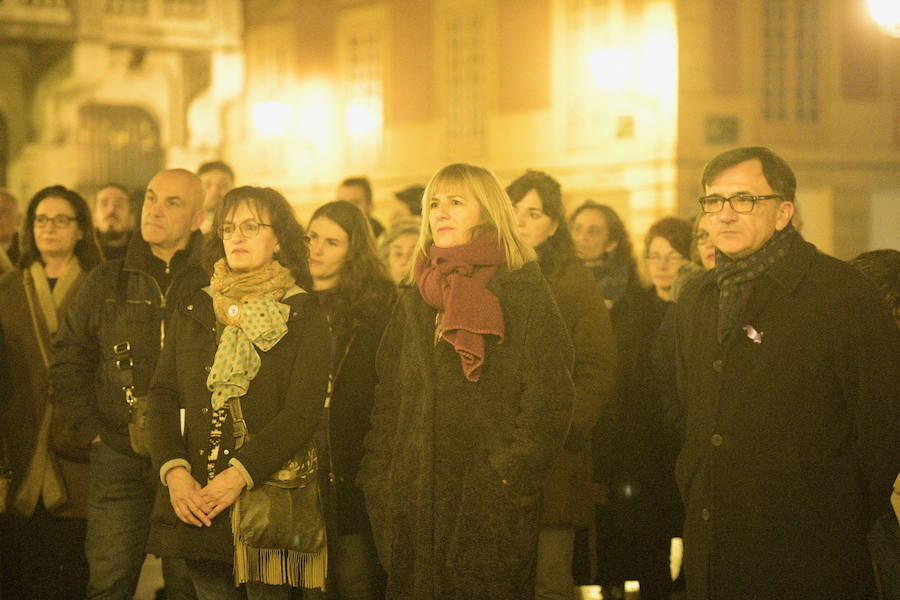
x=453 y=280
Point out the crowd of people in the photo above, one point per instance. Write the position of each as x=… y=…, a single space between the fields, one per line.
x=482 y=400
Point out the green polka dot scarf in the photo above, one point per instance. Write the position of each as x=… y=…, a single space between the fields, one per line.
x=248 y=305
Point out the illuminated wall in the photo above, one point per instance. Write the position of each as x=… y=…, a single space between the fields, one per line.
x=586 y=90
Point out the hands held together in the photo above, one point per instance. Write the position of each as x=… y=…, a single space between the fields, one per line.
x=197 y=505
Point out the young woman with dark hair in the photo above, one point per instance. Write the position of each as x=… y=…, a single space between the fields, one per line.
x=472 y=405
x=353 y=287
x=537 y=201
x=255 y=335
x=43 y=542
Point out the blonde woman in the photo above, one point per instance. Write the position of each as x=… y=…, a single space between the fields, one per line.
x=474 y=370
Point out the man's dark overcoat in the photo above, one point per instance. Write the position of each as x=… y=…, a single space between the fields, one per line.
x=445 y=524
x=791 y=441
x=282 y=408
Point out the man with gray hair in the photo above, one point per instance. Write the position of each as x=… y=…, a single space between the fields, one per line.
x=788 y=379
x=103 y=358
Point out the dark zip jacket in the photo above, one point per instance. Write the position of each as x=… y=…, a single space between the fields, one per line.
x=123 y=300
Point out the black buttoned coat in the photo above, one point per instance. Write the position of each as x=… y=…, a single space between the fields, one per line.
x=792 y=440
x=445 y=524
x=282 y=408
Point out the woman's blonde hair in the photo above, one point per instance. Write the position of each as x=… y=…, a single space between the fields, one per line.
x=496 y=212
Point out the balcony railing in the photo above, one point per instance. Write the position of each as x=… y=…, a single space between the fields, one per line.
x=177 y=23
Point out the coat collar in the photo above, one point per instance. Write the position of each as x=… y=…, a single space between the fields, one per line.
x=199 y=305
x=790 y=270
x=139 y=255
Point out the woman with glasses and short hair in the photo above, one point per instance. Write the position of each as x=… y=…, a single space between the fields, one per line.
x=256 y=335
x=43 y=539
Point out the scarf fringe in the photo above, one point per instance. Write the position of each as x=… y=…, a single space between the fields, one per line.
x=277 y=566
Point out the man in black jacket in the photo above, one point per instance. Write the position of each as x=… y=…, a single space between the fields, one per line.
x=103 y=358
x=787 y=366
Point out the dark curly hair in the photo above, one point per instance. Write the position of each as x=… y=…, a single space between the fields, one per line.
x=294 y=252
x=559 y=249
x=678 y=231
x=86 y=248
x=615 y=230
x=364 y=290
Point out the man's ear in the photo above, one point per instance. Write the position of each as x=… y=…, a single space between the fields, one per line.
x=785 y=211
x=198 y=219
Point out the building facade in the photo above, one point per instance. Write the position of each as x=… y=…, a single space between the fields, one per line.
x=622 y=100
x=115 y=90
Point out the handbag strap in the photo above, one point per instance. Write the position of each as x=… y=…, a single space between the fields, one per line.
x=240 y=425
x=328 y=397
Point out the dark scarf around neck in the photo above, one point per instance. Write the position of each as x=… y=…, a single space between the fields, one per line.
x=454 y=280
x=736 y=277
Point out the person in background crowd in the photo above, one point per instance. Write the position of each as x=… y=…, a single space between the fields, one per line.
x=472 y=406
x=352 y=285
x=408 y=204
x=789 y=388
x=537 y=200
x=397 y=246
x=113 y=219
x=635 y=511
x=882 y=267
x=257 y=263
x=43 y=545
x=9 y=224
x=218 y=179
x=703 y=257
x=358 y=191
x=667 y=246
x=103 y=357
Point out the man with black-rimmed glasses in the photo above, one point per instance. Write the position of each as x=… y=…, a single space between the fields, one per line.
x=787 y=368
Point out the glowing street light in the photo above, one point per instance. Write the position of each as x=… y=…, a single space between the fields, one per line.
x=886 y=13
x=362 y=118
x=271 y=118
x=610 y=68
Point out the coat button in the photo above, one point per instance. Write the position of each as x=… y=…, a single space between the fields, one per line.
x=190 y=307
x=716 y=440
x=226 y=451
x=717 y=366
x=204 y=410
x=207 y=368
x=704 y=514
x=201 y=451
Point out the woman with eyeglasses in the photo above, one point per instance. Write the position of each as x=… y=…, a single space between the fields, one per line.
x=256 y=335
x=633 y=493
x=42 y=540
x=667 y=246
x=353 y=287
x=472 y=406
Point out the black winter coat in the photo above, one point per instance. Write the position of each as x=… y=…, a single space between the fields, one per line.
x=350 y=415
x=282 y=408
x=791 y=444
x=445 y=524
x=83 y=371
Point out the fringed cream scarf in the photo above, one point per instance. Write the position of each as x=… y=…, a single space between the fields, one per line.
x=249 y=306
x=43 y=479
